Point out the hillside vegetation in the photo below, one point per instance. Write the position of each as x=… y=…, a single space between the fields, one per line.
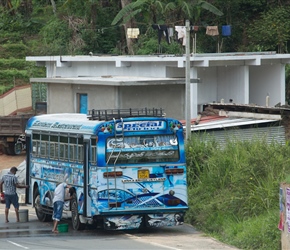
x=66 y=27
x=234 y=191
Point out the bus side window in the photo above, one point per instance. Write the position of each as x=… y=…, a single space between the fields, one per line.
x=93 y=151
x=53 y=147
x=72 y=148
x=75 y=149
x=44 y=145
x=63 y=148
x=80 y=150
x=35 y=144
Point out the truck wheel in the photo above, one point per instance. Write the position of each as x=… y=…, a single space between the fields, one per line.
x=4 y=149
x=10 y=149
x=41 y=215
x=76 y=223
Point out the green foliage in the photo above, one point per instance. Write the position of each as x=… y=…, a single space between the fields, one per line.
x=149 y=46
x=5 y=88
x=55 y=36
x=234 y=190
x=12 y=63
x=9 y=76
x=164 y=11
x=271 y=30
x=254 y=233
x=15 y=50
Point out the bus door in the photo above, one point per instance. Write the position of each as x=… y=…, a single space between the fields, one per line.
x=86 y=190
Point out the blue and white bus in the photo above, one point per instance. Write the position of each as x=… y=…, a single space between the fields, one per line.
x=127 y=167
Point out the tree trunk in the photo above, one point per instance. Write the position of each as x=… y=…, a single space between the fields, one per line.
x=93 y=15
x=126 y=26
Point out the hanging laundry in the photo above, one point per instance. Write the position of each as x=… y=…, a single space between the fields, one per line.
x=181 y=31
x=170 y=32
x=212 y=30
x=195 y=28
x=133 y=32
x=162 y=30
x=226 y=30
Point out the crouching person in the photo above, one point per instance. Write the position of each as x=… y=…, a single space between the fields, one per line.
x=58 y=203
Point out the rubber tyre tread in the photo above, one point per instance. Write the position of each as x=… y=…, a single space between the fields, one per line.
x=76 y=223
x=41 y=216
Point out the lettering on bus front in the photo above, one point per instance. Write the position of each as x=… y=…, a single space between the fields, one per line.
x=139 y=126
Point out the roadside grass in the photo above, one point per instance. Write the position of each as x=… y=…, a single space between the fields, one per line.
x=234 y=190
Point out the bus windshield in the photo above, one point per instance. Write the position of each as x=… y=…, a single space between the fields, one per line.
x=142 y=149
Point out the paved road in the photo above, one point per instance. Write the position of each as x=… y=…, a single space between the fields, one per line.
x=34 y=234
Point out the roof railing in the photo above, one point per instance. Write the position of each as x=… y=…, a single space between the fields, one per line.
x=109 y=114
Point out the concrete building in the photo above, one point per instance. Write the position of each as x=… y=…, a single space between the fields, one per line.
x=81 y=83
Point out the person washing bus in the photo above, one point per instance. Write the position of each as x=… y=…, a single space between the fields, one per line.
x=10 y=182
x=58 y=203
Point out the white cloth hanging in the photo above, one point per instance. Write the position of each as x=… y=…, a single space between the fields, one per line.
x=133 y=32
x=181 y=30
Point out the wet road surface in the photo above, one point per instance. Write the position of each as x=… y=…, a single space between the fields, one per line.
x=34 y=234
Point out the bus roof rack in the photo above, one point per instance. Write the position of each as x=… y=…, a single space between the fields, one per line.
x=109 y=114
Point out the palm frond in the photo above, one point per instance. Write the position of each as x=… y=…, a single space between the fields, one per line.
x=131 y=15
x=186 y=9
x=123 y=12
x=207 y=6
x=159 y=5
x=130 y=10
x=170 y=6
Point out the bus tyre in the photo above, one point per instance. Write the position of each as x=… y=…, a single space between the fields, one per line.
x=76 y=223
x=41 y=215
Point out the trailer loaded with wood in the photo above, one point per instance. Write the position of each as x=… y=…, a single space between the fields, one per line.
x=12 y=133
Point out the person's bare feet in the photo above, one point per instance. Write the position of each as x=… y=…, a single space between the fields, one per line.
x=6 y=221
x=55 y=231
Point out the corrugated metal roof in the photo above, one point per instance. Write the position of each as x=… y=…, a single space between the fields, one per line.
x=270 y=134
x=220 y=122
x=222 y=128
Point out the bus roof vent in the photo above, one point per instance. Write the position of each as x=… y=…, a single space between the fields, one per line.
x=109 y=114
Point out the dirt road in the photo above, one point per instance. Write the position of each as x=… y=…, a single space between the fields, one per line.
x=8 y=161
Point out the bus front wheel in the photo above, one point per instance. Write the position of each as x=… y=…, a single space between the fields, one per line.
x=76 y=223
x=41 y=215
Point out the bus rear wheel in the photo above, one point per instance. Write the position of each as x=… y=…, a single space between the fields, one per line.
x=40 y=213
x=76 y=223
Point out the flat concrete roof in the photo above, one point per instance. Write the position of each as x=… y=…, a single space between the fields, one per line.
x=197 y=60
x=112 y=80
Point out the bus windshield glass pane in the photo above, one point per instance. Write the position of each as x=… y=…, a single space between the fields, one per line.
x=142 y=149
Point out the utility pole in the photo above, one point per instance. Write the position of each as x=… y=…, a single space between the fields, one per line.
x=187 y=83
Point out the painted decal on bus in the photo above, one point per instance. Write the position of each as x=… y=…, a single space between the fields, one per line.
x=61 y=126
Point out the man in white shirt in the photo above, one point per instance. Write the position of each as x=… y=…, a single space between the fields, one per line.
x=58 y=201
